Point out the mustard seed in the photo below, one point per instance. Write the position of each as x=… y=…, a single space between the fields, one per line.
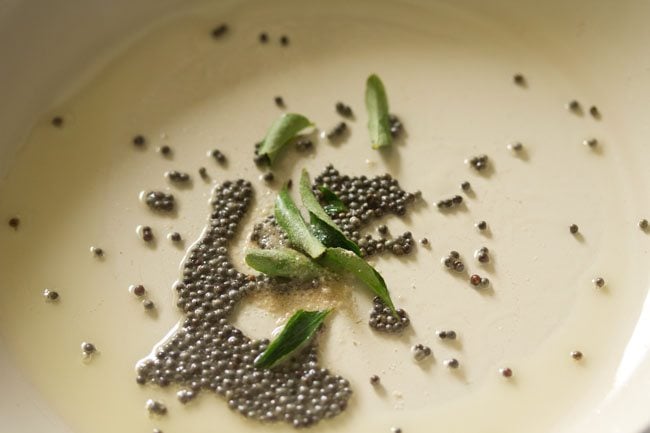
x=14 y=222
x=505 y=372
x=577 y=355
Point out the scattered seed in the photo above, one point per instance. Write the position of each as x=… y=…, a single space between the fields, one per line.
x=478 y=163
x=574 y=106
x=374 y=379
x=519 y=79
x=515 y=147
x=505 y=372
x=337 y=132
x=219 y=31
x=382 y=229
x=304 y=144
x=485 y=282
x=97 y=252
x=218 y=156
x=57 y=121
x=451 y=363
x=203 y=172
x=156 y=407
x=146 y=233
x=481 y=225
x=159 y=201
x=139 y=141
x=177 y=176
x=88 y=348
x=263 y=37
x=475 y=280
x=148 y=304
x=598 y=282
x=466 y=186
x=14 y=222
x=577 y=355
x=157 y=430
x=446 y=335
x=268 y=177
x=449 y=203
x=344 y=110
x=175 y=237
x=424 y=241
x=279 y=101
x=573 y=229
x=284 y=40
x=50 y=295
x=395 y=430
x=165 y=150
x=643 y=224
x=595 y=112
x=453 y=262
x=482 y=255
x=420 y=352
x=185 y=395
x=138 y=290
x=590 y=142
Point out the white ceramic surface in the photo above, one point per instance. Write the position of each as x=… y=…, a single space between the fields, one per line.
x=117 y=69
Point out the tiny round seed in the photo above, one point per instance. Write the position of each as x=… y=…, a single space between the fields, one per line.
x=577 y=355
x=146 y=233
x=88 y=348
x=465 y=186
x=279 y=101
x=57 y=121
x=574 y=106
x=519 y=79
x=505 y=372
x=148 y=304
x=139 y=140
x=481 y=225
x=395 y=430
x=590 y=142
x=573 y=229
x=374 y=379
x=475 y=280
x=175 y=237
x=203 y=172
x=138 y=290
x=14 y=222
x=219 y=31
x=485 y=282
x=599 y=282
x=165 y=150
x=424 y=241
x=515 y=147
x=594 y=111
x=98 y=252
x=263 y=37
x=268 y=177
x=643 y=224
x=284 y=40
x=50 y=295
x=451 y=363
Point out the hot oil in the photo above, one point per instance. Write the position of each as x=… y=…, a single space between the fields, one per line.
x=449 y=78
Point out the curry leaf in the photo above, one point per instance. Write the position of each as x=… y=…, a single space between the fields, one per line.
x=289 y=218
x=333 y=203
x=378 y=116
x=298 y=330
x=281 y=132
x=321 y=225
x=342 y=261
x=331 y=237
x=283 y=262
